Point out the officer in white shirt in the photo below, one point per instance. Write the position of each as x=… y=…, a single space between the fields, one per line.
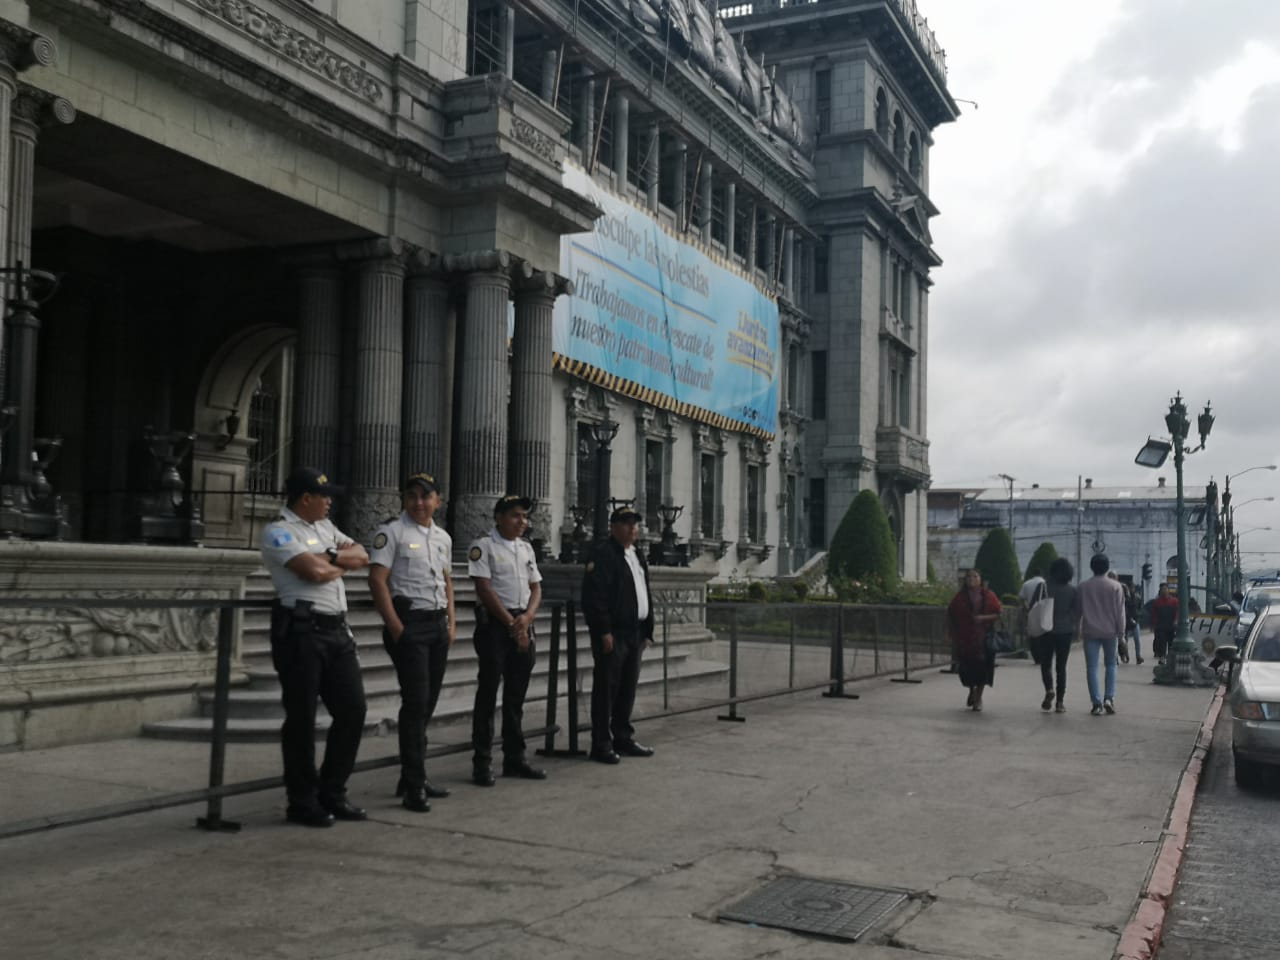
x=312 y=648
x=508 y=586
x=410 y=580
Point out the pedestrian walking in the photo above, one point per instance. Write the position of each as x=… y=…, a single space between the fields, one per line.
x=312 y=648
x=1132 y=612
x=410 y=580
x=616 y=603
x=1101 y=625
x=1055 y=646
x=508 y=585
x=972 y=612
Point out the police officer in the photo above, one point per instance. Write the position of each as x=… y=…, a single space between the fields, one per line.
x=616 y=605
x=508 y=592
x=312 y=648
x=410 y=580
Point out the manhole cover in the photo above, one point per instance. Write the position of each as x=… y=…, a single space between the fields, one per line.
x=840 y=910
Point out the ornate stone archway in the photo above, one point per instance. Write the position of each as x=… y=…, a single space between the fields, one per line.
x=221 y=457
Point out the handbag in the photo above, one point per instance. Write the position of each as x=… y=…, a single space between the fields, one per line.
x=998 y=642
x=1040 y=616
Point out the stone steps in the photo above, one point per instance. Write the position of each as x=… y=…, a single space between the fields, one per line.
x=254 y=711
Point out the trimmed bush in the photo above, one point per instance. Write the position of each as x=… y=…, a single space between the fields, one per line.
x=999 y=564
x=863 y=549
x=1045 y=554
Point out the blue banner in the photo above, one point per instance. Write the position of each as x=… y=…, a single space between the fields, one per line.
x=664 y=322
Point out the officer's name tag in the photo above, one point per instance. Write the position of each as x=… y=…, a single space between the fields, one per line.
x=414 y=546
x=312 y=542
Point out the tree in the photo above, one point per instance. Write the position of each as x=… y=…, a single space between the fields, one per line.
x=1041 y=560
x=863 y=547
x=999 y=564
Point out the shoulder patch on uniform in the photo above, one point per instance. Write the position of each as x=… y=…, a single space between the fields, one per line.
x=379 y=541
x=475 y=554
x=591 y=566
x=280 y=537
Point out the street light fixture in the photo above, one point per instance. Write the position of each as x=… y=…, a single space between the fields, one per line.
x=1186 y=663
x=1265 y=466
x=603 y=432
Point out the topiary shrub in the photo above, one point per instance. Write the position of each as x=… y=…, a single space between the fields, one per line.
x=757 y=591
x=999 y=564
x=863 y=549
x=1045 y=554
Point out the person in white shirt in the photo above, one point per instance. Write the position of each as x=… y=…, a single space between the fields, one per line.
x=410 y=580
x=504 y=569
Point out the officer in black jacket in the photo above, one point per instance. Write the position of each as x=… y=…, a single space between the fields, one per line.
x=616 y=603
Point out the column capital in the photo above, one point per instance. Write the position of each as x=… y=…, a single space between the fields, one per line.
x=544 y=282
x=41 y=108
x=478 y=264
x=21 y=48
x=331 y=254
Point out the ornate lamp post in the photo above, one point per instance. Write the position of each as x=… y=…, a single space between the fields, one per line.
x=667 y=552
x=1186 y=664
x=603 y=431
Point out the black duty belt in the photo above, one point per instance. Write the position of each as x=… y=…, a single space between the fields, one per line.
x=425 y=616
x=515 y=612
x=329 y=621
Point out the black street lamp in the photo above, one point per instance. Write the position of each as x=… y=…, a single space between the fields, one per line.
x=603 y=431
x=1185 y=663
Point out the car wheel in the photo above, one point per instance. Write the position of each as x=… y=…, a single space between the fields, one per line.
x=1247 y=773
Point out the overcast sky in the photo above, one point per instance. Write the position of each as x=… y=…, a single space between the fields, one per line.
x=1109 y=235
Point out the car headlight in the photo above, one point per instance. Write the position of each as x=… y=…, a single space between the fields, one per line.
x=1248 y=710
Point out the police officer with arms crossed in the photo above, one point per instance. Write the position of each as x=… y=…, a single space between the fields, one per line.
x=617 y=608
x=413 y=591
x=312 y=648
x=508 y=592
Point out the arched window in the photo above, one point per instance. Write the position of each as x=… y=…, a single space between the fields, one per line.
x=913 y=155
x=270 y=425
x=882 y=115
x=899 y=136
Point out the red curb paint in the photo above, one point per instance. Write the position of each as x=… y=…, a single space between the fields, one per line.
x=1141 y=937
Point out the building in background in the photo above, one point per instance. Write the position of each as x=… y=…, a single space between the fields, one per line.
x=1133 y=526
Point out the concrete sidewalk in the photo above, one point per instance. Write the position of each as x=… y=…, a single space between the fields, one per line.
x=1019 y=834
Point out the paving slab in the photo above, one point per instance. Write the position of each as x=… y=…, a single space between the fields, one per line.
x=1016 y=833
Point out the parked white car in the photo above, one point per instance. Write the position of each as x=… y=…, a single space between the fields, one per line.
x=1254 y=699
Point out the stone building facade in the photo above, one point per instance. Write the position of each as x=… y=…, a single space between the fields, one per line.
x=310 y=232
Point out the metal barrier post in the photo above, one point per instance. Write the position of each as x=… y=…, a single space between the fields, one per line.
x=837 y=661
x=571 y=687
x=666 y=663
x=553 y=685
x=875 y=641
x=791 y=653
x=906 y=653
x=212 y=820
x=733 y=669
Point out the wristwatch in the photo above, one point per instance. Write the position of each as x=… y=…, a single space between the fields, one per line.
x=333 y=555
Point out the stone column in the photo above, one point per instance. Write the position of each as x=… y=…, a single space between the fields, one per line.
x=316 y=394
x=730 y=217
x=426 y=335
x=550 y=60
x=788 y=263
x=373 y=491
x=530 y=446
x=480 y=471
x=509 y=41
x=587 y=119
x=652 y=166
x=707 y=186
x=682 y=185
x=19 y=49
x=621 y=140
x=770 y=249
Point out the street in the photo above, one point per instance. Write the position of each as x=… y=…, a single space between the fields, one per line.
x=1224 y=904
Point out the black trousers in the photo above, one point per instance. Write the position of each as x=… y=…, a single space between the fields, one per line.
x=501 y=663
x=420 y=657
x=315 y=657
x=613 y=689
x=1055 y=647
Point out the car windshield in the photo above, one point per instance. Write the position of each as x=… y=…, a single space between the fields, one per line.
x=1260 y=599
x=1266 y=642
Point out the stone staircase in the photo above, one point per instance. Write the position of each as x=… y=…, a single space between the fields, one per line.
x=255 y=713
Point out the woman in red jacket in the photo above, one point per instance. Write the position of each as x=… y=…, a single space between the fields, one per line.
x=970 y=614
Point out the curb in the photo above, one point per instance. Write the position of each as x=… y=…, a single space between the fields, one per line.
x=1141 y=937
